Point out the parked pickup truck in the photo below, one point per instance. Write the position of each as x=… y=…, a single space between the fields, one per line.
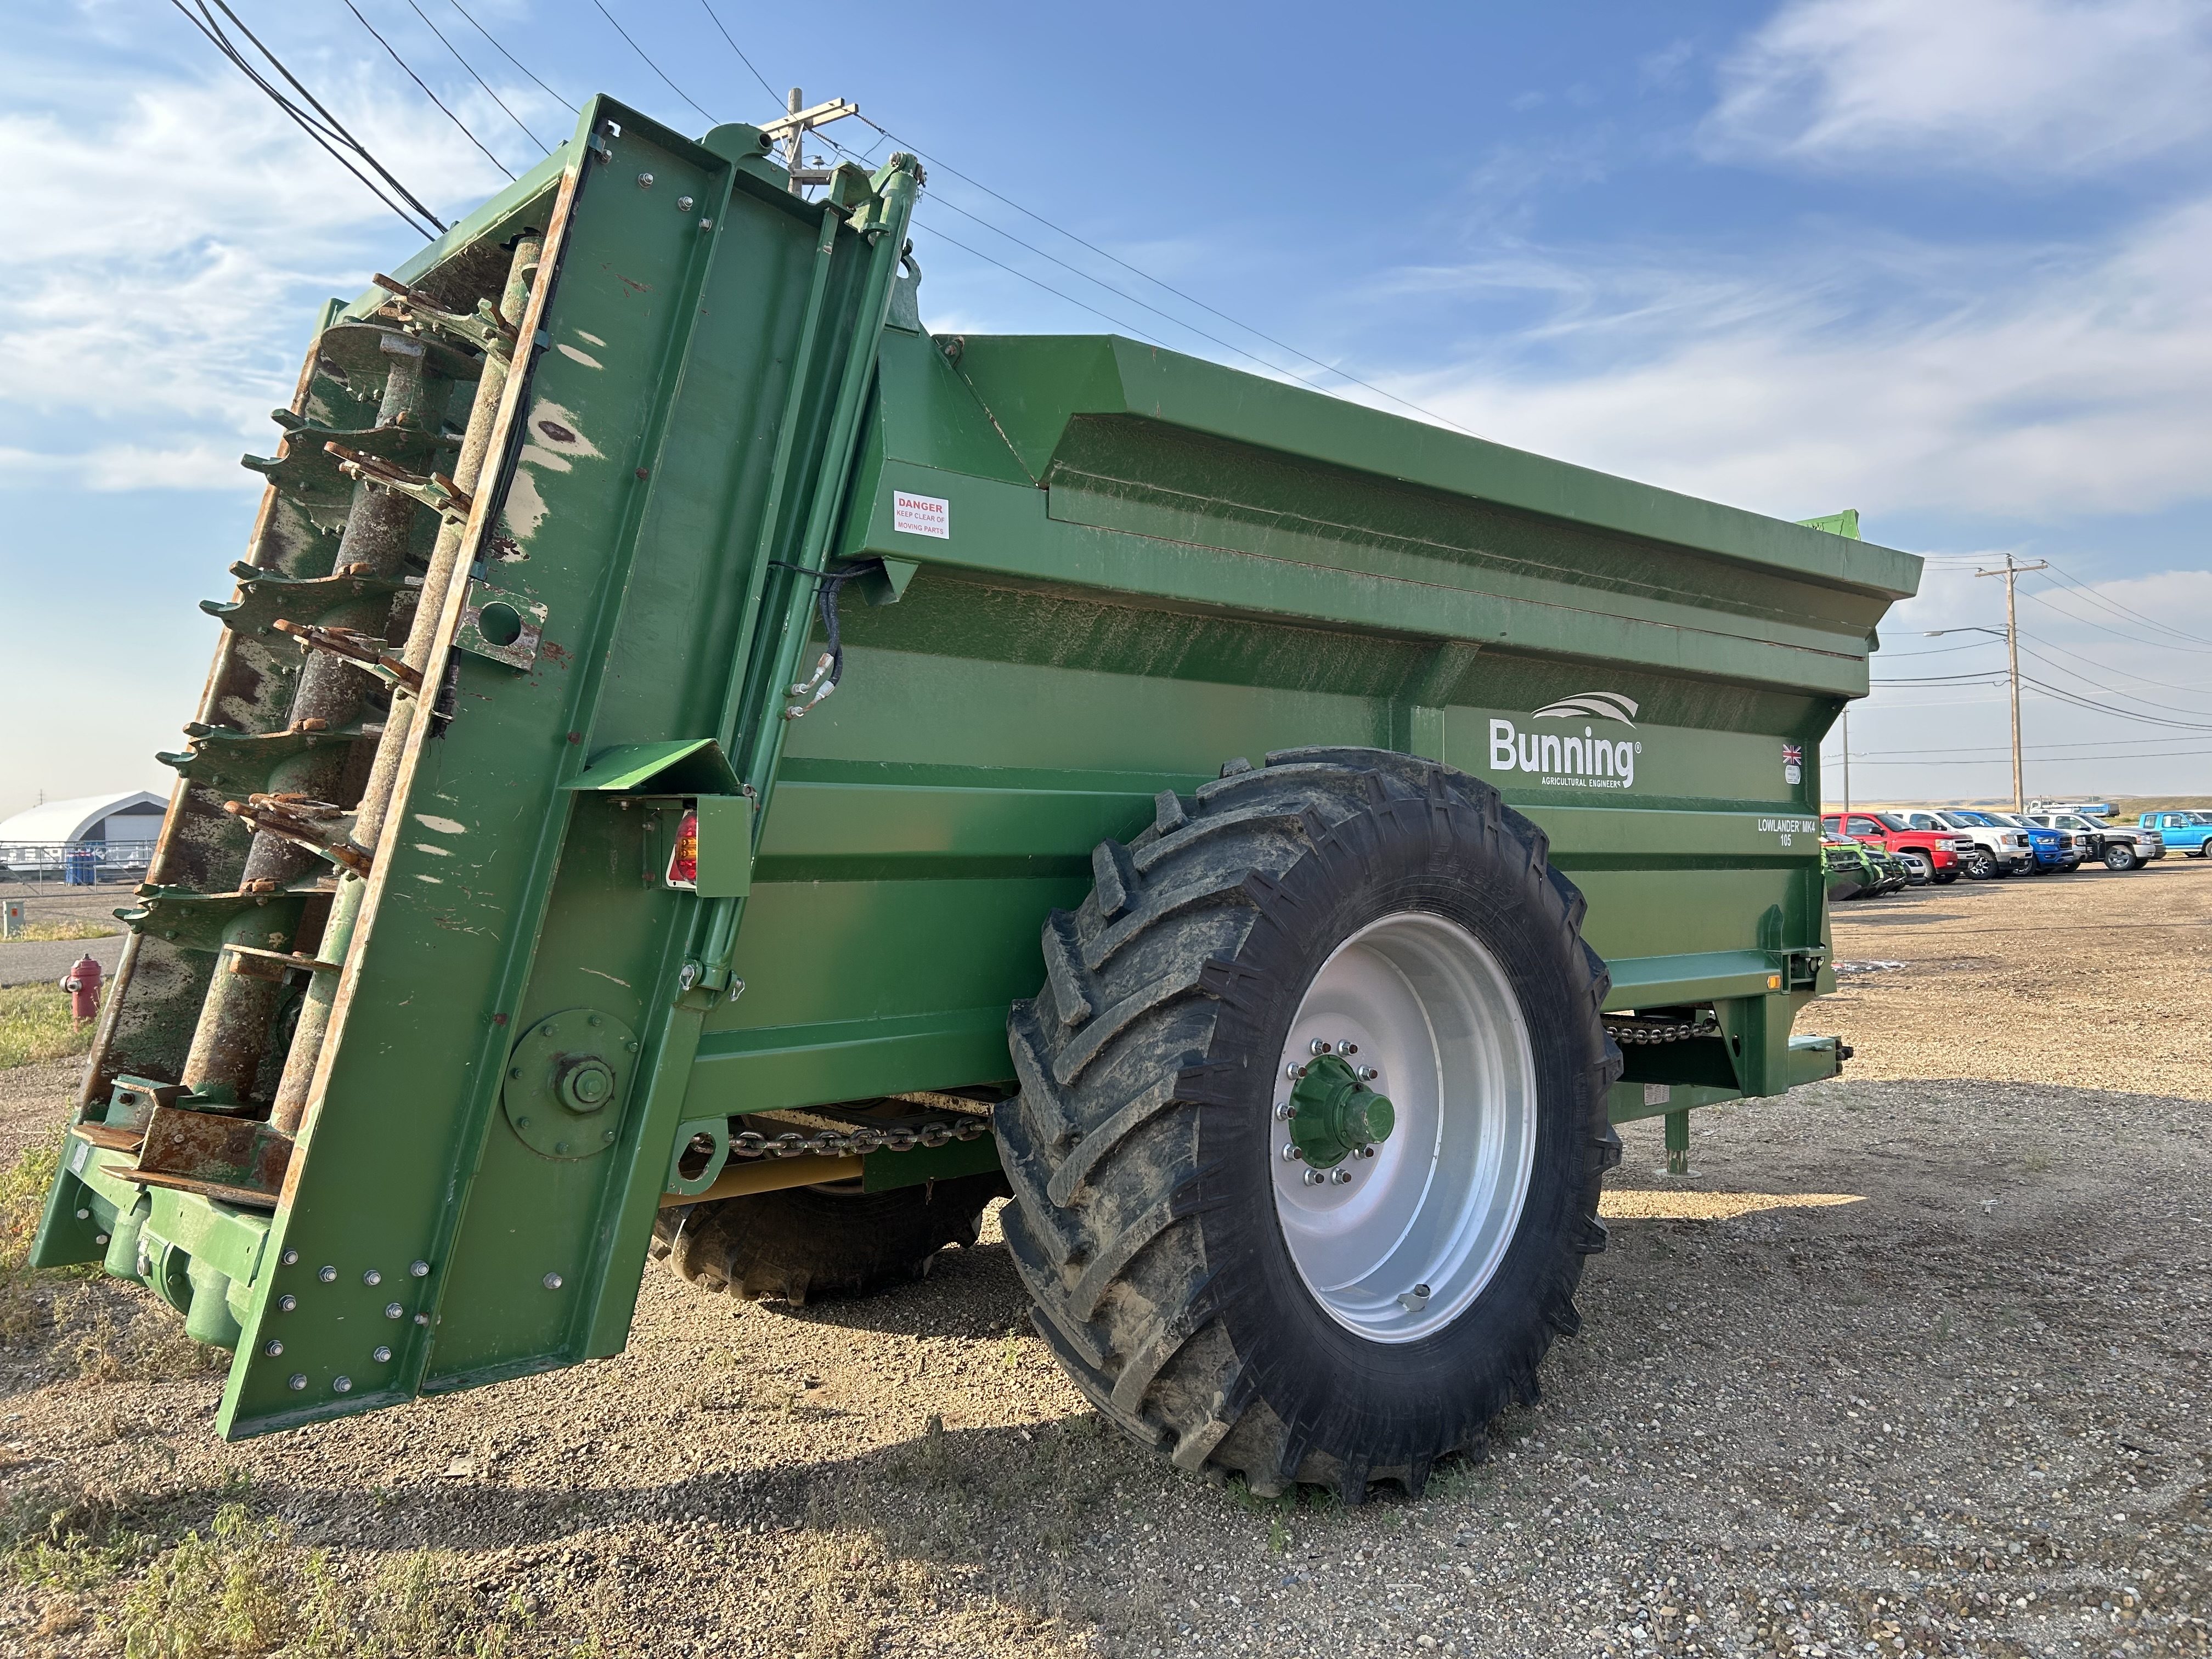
x=1936 y=855
x=1995 y=850
x=2117 y=846
x=2055 y=850
x=2189 y=831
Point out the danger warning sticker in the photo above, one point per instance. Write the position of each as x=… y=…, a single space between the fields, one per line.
x=921 y=515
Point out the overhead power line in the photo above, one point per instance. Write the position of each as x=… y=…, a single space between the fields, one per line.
x=1026 y=277
x=649 y=63
x=325 y=128
x=1323 y=364
x=421 y=82
x=740 y=51
x=2002 y=758
x=2104 y=668
x=1971 y=645
x=510 y=56
x=2080 y=621
x=1942 y=679
x=2112 y=604
x=478 y=79
x=2102 y=745
x=2080 y=701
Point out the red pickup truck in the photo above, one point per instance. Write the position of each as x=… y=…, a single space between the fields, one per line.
x=1931 y=855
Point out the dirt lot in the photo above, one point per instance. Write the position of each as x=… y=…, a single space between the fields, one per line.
x=1914 y=1363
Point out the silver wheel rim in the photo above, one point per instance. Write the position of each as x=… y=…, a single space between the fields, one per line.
x=1402 y=1248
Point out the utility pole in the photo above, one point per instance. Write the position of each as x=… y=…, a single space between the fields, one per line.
x=791 y=132
x=1847 y=765
x=2011 y=572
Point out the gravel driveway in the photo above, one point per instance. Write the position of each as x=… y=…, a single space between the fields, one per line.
x=1914 y=1363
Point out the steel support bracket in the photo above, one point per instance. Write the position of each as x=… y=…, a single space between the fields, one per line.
x=504 y=626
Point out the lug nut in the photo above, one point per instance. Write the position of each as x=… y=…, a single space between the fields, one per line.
x=1285 y=1111
x=1339 y=1175
x=1368 y=1075
x=1291 y=1152
x=328 y=1275
x=393 y=1310
x=1294 y=1070
x=297 y=1380
x=1314 y=1177
x=381 y=1355
x=286 y=1303
x=1348 y=1047
x=1319 y=1046
x=343 y=1384
x=291 y=1258
x=272 y=1347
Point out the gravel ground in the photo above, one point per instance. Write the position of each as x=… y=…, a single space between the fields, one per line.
x=1914 y=1363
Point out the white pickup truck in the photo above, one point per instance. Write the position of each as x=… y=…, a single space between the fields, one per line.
x=1997 y=851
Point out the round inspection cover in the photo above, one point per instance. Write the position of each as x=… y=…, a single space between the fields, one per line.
x=567 y=1078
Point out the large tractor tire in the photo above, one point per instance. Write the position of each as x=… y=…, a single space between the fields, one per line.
x=832 y=1240
x=1240 y=1285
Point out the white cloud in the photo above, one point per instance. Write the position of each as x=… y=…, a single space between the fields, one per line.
x=165 y=254
x=134 y=466
x=2068 y=87
x=2053 y=383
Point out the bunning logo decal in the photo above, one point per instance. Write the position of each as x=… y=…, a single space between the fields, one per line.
x=1604 y=705
x=1793 y=764
x=1562 y=760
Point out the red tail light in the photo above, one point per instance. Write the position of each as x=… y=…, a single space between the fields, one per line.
x=683 y=862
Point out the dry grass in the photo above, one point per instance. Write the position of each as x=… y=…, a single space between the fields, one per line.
x=35 y=1026
x=22 y=1196
x=74 y=929
x=246 y=1586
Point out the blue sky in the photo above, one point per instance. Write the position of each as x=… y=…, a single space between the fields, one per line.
x=1945 y=264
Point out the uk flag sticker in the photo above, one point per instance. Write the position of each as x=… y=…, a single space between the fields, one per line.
x=1793 y=764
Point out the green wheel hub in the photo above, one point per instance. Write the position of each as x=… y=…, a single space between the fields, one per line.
x=1334 y=1112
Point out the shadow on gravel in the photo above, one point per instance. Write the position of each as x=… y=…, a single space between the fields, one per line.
x=973 y=1293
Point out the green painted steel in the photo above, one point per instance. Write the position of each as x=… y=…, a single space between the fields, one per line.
x=1075 y=573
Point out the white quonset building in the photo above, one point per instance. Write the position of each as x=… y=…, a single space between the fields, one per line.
x=122 y=827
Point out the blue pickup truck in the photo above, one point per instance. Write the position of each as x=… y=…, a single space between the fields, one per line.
x=2061 y=850
x=2185 y=832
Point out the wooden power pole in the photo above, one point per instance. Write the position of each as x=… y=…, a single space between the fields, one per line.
x=2011 y=572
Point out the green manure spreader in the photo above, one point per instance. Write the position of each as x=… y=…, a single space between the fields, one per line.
x=696 y=767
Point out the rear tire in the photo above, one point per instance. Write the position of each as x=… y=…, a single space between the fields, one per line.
x=1205 y=1301
x=831 y=1240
